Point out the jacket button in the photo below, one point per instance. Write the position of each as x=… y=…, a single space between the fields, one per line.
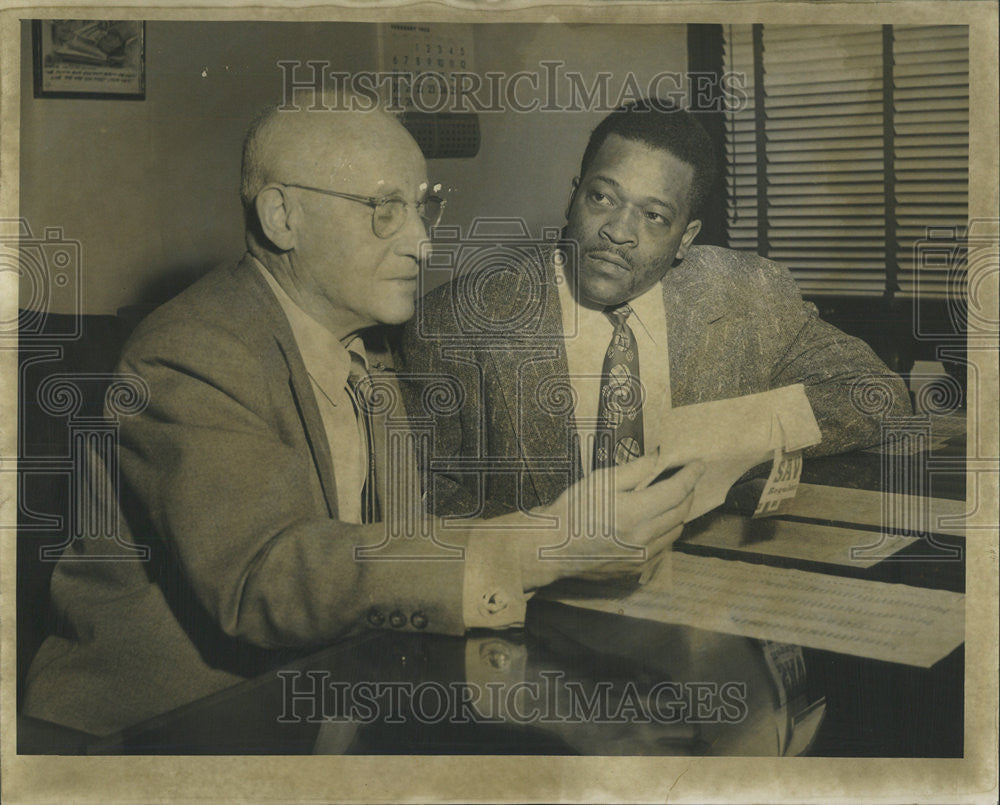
x=375 y=618
x=397 y=620
x=419 y=620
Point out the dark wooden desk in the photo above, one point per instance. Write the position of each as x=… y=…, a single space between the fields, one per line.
x=872 y=708
x=561 y=647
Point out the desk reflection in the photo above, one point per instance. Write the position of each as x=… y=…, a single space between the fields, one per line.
x=571 y=682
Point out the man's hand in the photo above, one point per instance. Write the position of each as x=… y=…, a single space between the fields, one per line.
x=649 y=518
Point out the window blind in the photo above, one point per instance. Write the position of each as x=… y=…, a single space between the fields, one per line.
x=931 y=123
x=741 y=137
x=853 y=140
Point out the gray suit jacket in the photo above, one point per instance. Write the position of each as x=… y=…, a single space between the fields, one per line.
x=736 y=325
x=227 y=479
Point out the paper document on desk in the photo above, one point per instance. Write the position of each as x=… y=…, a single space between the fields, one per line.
x=833 y=525
x=890 y=622
x=806 y=542
x=733 y=436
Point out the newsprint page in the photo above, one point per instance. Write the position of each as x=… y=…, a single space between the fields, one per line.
x=499 y=401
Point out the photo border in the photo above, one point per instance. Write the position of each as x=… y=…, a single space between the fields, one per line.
x=533 y=779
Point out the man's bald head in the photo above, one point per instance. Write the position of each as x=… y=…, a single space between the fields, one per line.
x=325 y=146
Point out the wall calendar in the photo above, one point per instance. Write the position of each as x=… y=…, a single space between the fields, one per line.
x=429 y=64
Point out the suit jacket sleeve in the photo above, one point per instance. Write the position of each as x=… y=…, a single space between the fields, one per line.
x=849 y=388
x=219 y=464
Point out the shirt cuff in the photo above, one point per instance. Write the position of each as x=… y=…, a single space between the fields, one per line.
x=493 y=594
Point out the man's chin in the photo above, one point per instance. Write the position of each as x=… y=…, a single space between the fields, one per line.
x=602 y=293
x=398 y=313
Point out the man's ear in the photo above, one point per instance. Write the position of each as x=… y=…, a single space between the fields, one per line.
x=572 y=195
x=274 y=213
x=693 y=228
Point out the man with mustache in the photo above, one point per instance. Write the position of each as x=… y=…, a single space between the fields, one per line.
x=626 y=305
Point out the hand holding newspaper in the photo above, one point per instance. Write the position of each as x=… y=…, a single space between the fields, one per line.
x=733 y=436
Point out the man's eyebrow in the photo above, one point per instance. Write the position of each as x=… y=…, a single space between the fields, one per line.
x=648 y=200
x=396 y=191
x=389 y=191
x=669 y=205
x=607 y=180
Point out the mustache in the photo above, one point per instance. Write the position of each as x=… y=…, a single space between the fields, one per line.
x=623 y=253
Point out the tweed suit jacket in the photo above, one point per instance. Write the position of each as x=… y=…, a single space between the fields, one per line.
x=227 y=480
x=736 y=325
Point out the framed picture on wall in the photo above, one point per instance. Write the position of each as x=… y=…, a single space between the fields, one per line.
x=89 y=59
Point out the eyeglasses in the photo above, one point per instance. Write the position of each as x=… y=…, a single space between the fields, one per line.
x=388 y=212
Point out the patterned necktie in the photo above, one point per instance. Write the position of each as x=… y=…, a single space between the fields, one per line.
x=619 y=410
x=361 y=389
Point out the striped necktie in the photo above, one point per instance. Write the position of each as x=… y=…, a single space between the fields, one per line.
x=619 y=410
x=360 y=385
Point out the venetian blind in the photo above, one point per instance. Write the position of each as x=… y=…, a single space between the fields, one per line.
x=931 y=124
x=741 y=139
x=808 y=154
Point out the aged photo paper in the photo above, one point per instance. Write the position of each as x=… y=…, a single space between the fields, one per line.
x=547 y=443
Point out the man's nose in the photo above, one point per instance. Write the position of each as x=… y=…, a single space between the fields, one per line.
x=621 y=227
x=412 y=236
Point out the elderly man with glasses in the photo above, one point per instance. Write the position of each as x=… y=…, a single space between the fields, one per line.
x=256 y=478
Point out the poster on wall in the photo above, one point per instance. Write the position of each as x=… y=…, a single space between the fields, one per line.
x=90 y=59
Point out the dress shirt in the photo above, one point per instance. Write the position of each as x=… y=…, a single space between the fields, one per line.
x=328 y=363
x=587 y=335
